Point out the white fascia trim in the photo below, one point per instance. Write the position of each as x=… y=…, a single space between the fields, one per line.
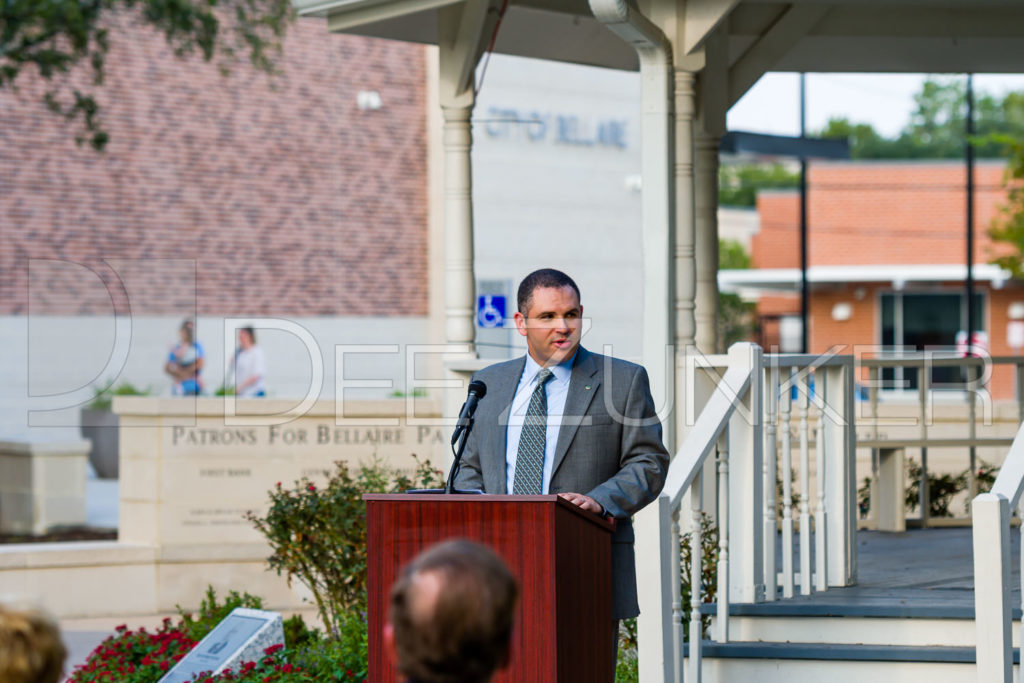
x=788 y=279
x=387 y=8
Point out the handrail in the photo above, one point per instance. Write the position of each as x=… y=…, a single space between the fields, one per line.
x=704 y=436
x=1010 y=482
x=990 y=513
x=746 y=404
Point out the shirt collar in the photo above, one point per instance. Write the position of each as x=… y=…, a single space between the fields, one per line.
x=562 y=371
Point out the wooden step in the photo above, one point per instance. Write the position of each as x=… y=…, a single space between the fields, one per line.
x=894 y=624
x=785 y=662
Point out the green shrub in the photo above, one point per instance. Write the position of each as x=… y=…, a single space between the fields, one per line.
x=318 y=535
x=103 y=397
x=708 y=570
x=942 y=488
x=212 y=613
x=627 y=666
x=338 y=659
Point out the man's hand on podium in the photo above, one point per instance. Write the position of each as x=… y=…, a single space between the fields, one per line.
x=585 y=502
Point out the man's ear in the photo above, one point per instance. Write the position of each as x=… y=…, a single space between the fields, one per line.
x=520 y=322
x=389 y=643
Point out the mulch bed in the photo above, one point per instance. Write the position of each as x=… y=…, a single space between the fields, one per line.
x=62 y=535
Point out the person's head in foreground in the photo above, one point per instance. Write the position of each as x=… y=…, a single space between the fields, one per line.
x=31 y=650
x=451 y=615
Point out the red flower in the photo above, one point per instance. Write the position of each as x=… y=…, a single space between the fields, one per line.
x=311 y=487
x=274 y=648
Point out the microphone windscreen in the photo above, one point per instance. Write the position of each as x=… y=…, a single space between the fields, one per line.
x=479 y=388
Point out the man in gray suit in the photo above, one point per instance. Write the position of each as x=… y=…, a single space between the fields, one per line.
x=567 y=421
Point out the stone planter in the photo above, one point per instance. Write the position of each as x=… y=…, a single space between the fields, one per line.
x=101 y=428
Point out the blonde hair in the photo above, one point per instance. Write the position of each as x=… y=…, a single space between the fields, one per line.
x=31 y=650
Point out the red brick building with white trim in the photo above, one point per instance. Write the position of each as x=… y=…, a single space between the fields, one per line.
x=886 y=254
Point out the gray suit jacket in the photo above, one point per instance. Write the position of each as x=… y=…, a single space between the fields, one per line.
x=609 y=448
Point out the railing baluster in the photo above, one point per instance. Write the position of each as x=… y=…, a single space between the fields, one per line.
x=874 y=384
x=787 y=488
x=770 y=473
x=677 y=598
x=805 y=490
x=820 y=519
x=722 y=594
x=1020 y=627
x=696 y=556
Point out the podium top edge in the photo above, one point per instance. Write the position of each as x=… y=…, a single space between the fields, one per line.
x=602 y=522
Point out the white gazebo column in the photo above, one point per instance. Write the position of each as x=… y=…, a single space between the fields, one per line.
x=706 y=221
x=459 y=280
x=461 y=31
x=710 y=127
x=685 y=254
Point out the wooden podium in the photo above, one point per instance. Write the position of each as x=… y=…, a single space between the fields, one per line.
x=560 y=554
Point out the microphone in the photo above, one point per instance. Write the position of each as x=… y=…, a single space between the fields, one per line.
x=477 y=390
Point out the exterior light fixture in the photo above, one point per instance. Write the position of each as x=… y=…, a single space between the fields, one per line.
x=368 y=100
x=842 y=311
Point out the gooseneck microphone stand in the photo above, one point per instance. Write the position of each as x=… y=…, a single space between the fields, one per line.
x=467 y=427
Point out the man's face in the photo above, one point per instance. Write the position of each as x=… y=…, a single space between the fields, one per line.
x=552 y=324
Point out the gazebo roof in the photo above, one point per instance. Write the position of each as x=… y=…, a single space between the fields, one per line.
x=984 y=36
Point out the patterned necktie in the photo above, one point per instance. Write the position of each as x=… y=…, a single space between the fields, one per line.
x=529 y=479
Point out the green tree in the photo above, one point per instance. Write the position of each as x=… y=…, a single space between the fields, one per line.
x=1008 y=227
x=738 y=184
x=937 y=126
x=52 y=37
x=865 y=142
x=736 y=319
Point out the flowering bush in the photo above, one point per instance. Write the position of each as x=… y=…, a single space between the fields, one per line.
x=135 y=656
x=143 y=657
x=318 y=534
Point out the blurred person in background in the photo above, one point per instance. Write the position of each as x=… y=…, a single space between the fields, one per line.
x=249 y=366
x=185 y=362
x=31 y=650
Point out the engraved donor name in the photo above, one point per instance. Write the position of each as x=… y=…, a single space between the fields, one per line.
x=313 y=435
x=202 y=436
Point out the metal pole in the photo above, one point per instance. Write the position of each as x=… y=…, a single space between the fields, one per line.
x=969 y=284
x=969 y=152
x=804 y=288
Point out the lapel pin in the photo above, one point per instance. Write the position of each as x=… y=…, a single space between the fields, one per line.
x=587 y=388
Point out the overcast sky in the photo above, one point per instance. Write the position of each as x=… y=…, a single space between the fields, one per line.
x=883 y=100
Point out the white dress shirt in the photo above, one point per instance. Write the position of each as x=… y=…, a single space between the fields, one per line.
x=250 y=363
x=556 y=390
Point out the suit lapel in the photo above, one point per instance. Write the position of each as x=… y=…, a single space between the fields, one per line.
x=505 y=392
x=583 y=383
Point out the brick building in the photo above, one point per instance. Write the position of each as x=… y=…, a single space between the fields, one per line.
x=311 y=197
x=218 y=196
x=886 y=252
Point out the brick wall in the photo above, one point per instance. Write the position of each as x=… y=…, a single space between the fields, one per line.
x=885 y=214
x=880 y=213
x=289 y=199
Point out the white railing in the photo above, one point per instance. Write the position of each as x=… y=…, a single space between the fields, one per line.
x=993 y=613
x=974 y=377
x=747 y=422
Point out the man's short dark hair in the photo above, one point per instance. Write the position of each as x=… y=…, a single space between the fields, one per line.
x=248 y=329
x=464 y=635
x=545 y=277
